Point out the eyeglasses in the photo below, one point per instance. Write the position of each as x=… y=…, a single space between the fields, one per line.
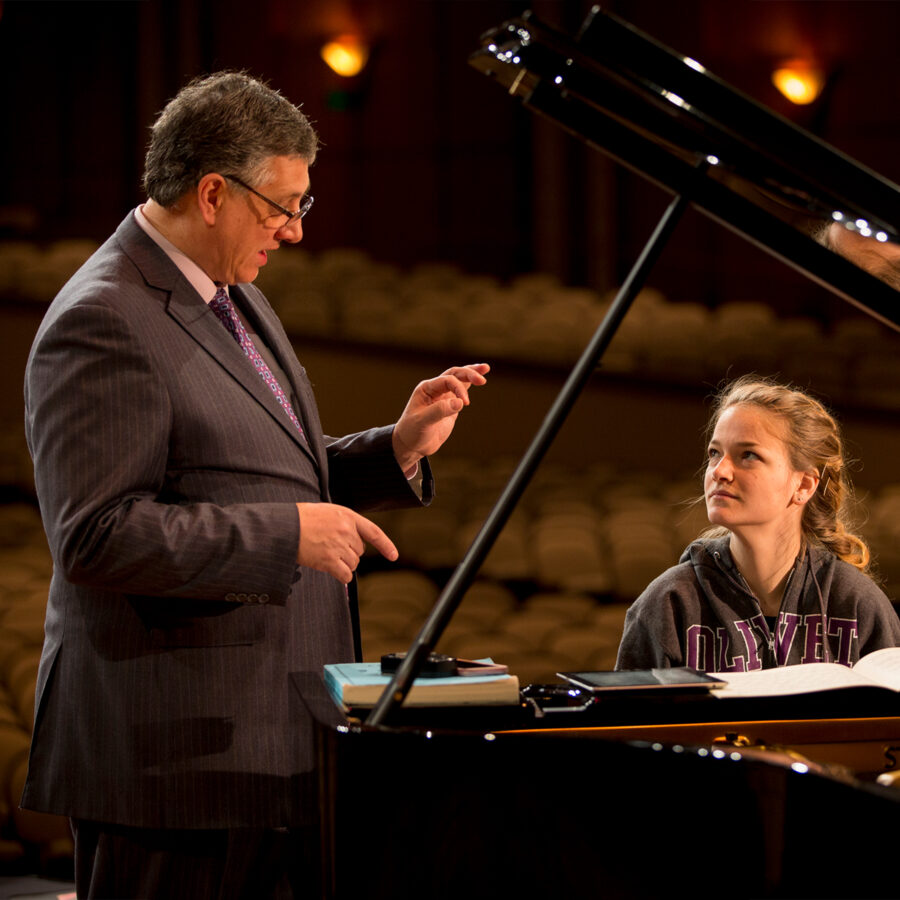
x=292 y=217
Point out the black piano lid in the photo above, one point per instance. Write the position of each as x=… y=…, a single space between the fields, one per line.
x=668 y=118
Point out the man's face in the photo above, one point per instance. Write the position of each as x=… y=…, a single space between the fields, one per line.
x=248 y=228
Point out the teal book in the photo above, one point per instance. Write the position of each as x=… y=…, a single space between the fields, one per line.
x=361 y=684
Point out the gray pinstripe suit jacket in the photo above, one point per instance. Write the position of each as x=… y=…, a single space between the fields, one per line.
x=167 y=477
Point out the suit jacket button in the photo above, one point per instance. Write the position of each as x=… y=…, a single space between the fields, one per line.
x=263 y=598
x=242 y=598
x=253 y=598
x=231 y=598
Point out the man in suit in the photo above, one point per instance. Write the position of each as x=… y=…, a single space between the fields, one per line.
x=203 y=530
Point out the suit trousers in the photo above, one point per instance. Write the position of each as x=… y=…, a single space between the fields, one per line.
x=116 y=862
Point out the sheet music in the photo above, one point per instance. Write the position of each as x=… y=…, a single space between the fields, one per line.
x=882 y=666
x=792 y=680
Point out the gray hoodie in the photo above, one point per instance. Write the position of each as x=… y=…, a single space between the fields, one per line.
x=701 y=614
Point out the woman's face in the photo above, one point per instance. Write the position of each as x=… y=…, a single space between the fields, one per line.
x=750 y=484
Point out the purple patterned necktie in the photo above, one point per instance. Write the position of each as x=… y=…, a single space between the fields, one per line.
x=222 y=306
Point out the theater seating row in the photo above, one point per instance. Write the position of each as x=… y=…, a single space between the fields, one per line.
x=536 y=635
x=344 y=294
x=595 y=530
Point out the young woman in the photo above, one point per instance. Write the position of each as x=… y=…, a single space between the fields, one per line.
x=780 y=579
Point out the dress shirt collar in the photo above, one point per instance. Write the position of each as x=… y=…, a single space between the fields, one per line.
x=199 y=280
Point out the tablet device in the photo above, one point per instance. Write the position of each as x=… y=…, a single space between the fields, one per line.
x=679 y=679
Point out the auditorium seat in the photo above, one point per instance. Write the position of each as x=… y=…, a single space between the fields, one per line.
x=489 y=600
x=511 y=556
x=584 y=650
x=426 y=541
x=533 y=626
x=413 y=588
x=430 y=318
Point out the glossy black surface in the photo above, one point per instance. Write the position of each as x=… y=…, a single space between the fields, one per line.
x=668 y=118
x=445 y=810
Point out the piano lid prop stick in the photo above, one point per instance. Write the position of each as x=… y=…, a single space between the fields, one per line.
x=395 y=692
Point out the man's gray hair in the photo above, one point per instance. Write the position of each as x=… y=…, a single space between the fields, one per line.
x=228 y=122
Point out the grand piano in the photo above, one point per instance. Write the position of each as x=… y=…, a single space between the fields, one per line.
x=568 y=794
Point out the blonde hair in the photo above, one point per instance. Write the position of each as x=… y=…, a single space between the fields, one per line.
x=814 y=443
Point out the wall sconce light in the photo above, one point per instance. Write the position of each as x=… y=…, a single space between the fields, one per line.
x=346 y=55
x=801 y=81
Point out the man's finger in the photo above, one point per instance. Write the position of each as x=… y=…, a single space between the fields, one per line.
x=446 y=384
x=342 y=572
x=373 y=535
x=473 y=373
